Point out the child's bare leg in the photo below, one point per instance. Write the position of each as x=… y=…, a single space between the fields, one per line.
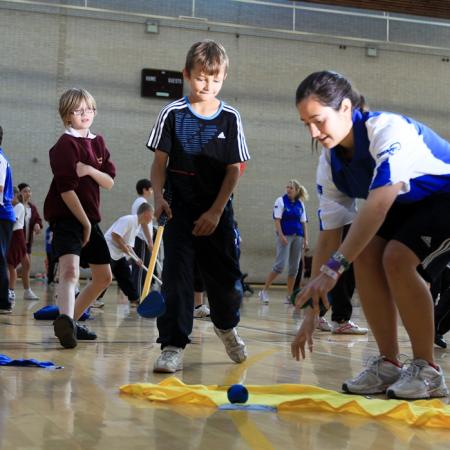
x=69 y=272
x=12 y=277
x=26 y=267
x=101 y=279
x=198 y=299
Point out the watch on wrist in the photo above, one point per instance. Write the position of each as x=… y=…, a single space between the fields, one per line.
x=339 y=257
x=335 y=266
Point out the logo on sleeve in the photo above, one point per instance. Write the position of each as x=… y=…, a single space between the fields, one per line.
x=221 y=136
x=394 y=148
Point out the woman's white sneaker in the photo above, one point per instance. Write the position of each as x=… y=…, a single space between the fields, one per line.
x=419 y=380
x=263 y=297
x=347 y=327
x=323 y=324
x=378 y=375
x=28 y=294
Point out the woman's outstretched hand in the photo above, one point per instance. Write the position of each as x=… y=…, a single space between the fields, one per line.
x=304 y=336
x=316 y=290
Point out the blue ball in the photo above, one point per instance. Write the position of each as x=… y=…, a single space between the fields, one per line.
x=237 y=394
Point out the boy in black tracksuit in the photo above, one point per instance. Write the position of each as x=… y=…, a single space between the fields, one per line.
x=199 y=144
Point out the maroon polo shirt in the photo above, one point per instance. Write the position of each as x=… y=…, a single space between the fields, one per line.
x=64 y=156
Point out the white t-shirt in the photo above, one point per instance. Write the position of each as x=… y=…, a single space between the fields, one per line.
x=134 y=209
x=126 y=227
x=19 y=211
x=27 y=223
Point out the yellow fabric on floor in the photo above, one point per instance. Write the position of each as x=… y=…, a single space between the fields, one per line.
x=296 y=397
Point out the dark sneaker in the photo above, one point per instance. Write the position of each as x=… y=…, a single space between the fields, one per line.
x=65 y=331
x=84 y=333
x=440 y=341
x=7 y=309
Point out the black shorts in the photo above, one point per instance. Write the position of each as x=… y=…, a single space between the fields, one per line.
x=68 y=239
x=424 y=227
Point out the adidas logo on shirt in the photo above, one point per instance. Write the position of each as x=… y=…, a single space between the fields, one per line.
x=427 y=240
x=221 y=136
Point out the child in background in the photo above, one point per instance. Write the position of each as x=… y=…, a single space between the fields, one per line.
x=81 y=164
x=144 y=239
x=120 y=238
x=32 y=226
x=199 y=144
x=17 y=247
x=7 y=220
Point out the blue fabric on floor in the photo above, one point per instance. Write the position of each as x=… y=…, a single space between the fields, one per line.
x=250 y=407
x=7 y=361
x=51 y=312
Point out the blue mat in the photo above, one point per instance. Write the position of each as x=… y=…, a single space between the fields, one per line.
x=7 y=361
x=51 y=312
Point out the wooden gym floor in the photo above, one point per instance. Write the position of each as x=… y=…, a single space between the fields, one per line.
x=79 y=407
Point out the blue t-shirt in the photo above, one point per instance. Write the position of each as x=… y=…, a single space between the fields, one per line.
x=291 y=214
x=389 y=148
x=6 y=207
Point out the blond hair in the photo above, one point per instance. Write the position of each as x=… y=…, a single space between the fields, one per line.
x=71 y=100
x=300 y=191
x=209 y=55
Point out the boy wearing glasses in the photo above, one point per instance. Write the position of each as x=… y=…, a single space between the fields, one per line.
x=81 y=164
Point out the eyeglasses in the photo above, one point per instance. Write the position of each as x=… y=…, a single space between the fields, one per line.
x=82 y=112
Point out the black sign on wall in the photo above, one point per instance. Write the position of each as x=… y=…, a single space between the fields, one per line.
x=161 y=83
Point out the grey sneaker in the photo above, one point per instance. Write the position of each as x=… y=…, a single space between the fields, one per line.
x=347 y=327
x=419 y=380
x=263 y=297
x=170 y=360
x=234 y=345
x=378 y=375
